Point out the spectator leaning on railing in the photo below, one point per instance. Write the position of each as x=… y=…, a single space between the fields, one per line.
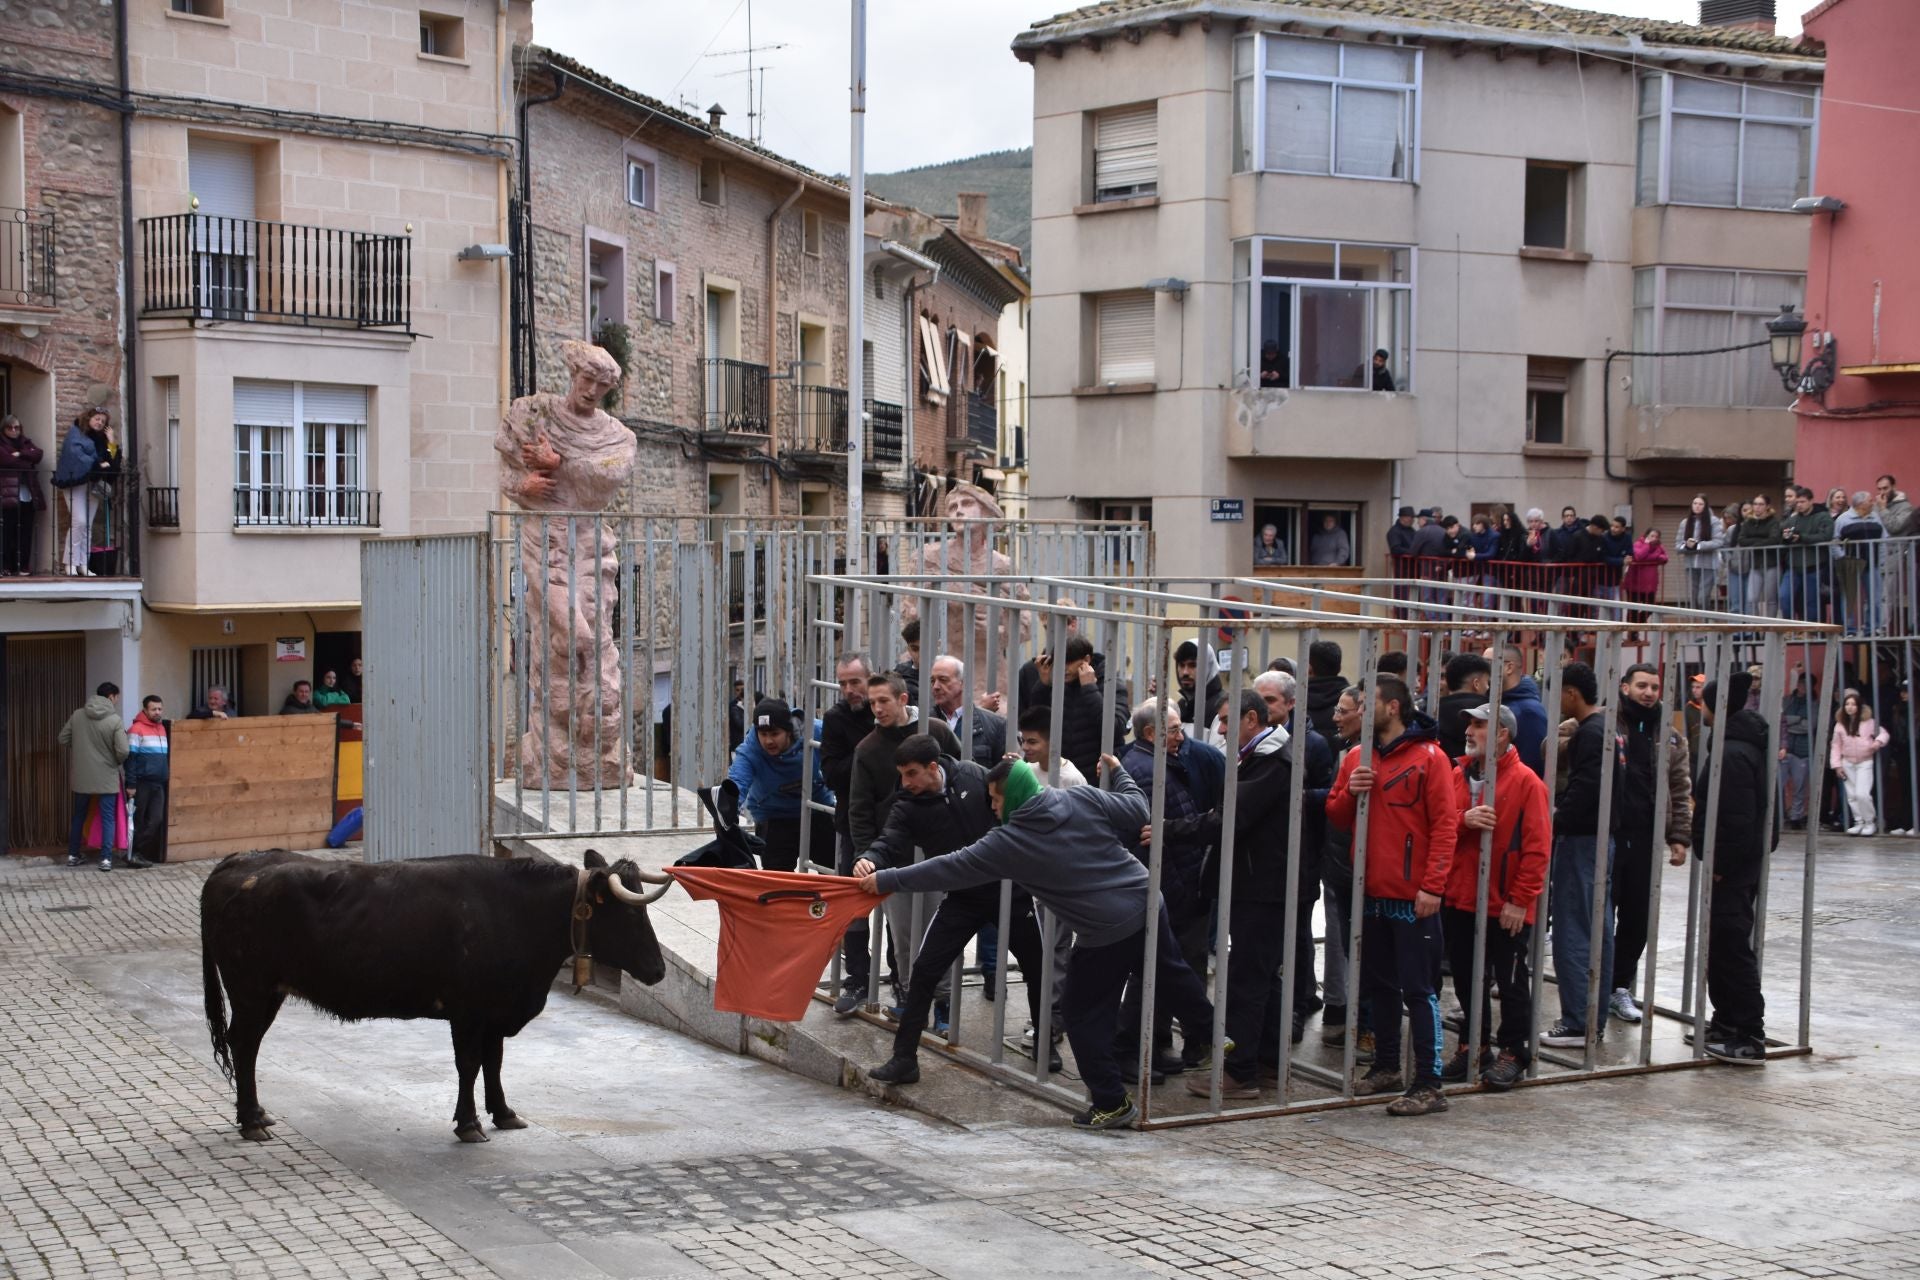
x=1805 y=531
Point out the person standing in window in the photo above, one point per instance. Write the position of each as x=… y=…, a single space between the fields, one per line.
x=1330 y=544
x=1273 y=366
x=1382 y=375
x=20 y=498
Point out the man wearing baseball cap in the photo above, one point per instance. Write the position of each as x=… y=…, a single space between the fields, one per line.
x=766 y=767
x=1516 y=810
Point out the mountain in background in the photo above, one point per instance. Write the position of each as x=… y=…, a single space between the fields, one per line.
x=1005 y=176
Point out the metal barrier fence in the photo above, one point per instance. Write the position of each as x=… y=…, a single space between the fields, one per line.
x=1137 y=630
x=620 y=641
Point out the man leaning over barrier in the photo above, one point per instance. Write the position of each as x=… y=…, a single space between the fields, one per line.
x=1069 y=849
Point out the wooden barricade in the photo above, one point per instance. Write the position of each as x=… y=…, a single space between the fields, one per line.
x=255 y=782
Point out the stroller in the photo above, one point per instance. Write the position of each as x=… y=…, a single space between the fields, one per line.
x=730 y=846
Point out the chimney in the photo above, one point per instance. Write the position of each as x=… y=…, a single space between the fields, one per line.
x=715 y=111
x=972 y=221
x=1750 y=15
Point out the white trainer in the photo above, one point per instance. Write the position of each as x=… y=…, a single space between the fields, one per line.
x=1621 y=1005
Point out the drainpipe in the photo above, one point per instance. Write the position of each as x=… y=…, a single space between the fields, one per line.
x=912 y=387
x=773 y=327
x=130 y=333
x=503 y=94
x=523 y=268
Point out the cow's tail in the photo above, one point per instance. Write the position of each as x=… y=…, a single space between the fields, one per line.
x=216 y=1002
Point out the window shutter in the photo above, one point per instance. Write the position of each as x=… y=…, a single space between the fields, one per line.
x=173 y=398
x=1126 y=337
x=331 y=403
x=220 y=174
x=262 y=404
x=1126 y=151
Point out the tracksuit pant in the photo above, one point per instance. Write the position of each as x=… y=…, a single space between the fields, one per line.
x=1093 y=1002
x=1400 y=968
x=1507 y=969
x=954 y=924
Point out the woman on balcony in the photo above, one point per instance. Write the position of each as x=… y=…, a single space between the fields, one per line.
x=20 y=498
x=86 y=455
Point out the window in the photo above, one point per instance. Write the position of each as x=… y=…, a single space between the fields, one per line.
x=1303 y=105
x=606 y=283
x=640 y=184
x=1126 y=160
x=1318 y=314
x=1325 y=529
x=1716 y=142
x=442 y=36
x=935 y=379
x=215 y=9
x=810 y=232
x=1549 y=207
x=299 y=454
x=665 y=279
x=1123 y=337
x=1548 y=381
x=166 y=467
x=1690 y=309
x=712 y=182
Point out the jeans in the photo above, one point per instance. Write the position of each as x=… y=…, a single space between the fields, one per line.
x=1763 y=589
x=1800 y=594
x=1736 y=590
x=1093 y=1003
x=1700 y=585
x=109 y=822
x=1191 y=926
x=1400 y=965
x=1573 y=888
x=1793 y=787
x=1506 y=969
x=959 y=917
x=1733 y=971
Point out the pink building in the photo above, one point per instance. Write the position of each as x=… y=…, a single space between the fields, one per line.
x=1863 y=271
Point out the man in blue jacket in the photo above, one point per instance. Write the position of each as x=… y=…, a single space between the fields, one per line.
x=1519 y=692
x=766 y=768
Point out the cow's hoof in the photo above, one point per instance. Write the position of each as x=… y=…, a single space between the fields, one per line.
x=471 y=1132
x=256 y=1133
x=508 y=1120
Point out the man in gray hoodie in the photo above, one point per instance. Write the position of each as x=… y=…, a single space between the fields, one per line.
x=1069 y=849
x=95 y=739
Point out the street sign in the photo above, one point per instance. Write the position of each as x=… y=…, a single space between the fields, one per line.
x=1228 y=510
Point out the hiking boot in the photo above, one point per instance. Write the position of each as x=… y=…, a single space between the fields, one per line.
x=1421 y=1100
x=1363 y=1048
x=137 y=862
x=1112 y=1118
x=1563 y=1034
x=897 y=1071
x=848 y=1004
x=1621 y=1005
x=1506 y=1072
x=1739 y=1051
x=1455 y=1072
x=990 y=986
x=1378 y=1081
x=1200 y=1086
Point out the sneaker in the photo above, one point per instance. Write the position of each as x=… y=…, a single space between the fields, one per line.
x=1201 y=1086
x=1378 y=1081
x=897 y=1071
x=1113 y=1118
x=137 y=862
x=1333 y=1023
x=1053 y=1061
x=106 y=864
x=942 y=1018
x=1421 y=1100
x=1201 y=1060
x=1854 y=830
x=73 y=859
x=1869 y=829
x=1506 y=1072
x=1622 y=1006
x=1168 y=1063
x=1565 y=1035
x=1740 y=1051
x=849 y=1003
x=895 y=1012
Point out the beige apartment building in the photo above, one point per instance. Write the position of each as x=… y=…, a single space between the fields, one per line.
x=320 y=195
x=1237 y=204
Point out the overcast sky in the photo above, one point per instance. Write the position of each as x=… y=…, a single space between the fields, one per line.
x=941 y=82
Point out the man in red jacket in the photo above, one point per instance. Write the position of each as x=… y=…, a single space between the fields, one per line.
x=1412 y=823
x=1521 y=819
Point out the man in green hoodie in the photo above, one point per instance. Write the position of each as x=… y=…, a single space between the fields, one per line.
x=1070 y=849
x=96 y=743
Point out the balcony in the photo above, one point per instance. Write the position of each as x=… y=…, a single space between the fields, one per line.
x=1659 y=433
x=819 y=423
x=26 y=259
x=199 y=267
x=736 y=398
x=983 y=427
x=886 y=435
x=163 y=507
x=1301 y=423
x=303 y=508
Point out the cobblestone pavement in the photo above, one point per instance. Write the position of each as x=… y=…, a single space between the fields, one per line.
x=652 y=1156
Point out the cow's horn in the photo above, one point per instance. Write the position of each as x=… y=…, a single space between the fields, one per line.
x=628 y=896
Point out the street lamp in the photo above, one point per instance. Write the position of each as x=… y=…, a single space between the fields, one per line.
x=1785 y=333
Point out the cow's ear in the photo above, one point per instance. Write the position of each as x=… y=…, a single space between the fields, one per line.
x=593 y=860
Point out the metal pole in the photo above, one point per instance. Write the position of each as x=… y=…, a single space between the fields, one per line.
x=1550 y=699
x=1230 y=806
x=856 y=292
x=1297 y=785
x=1606 y=653
x=1156 y=867
x=1357 y=901
x=1823 y=725
x=1667 y=664
x=1715 y=759
x=1477 y=994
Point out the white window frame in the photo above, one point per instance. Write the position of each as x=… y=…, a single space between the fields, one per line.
x=1664 y=182
x=1647 y=372
x=1260 y=75
x=1560 y=384
x=291 y=447
x=642 y=170
x=1249 y=358
x=170 y=411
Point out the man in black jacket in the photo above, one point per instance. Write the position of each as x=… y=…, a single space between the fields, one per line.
x=841 y=729
x=1736 y=1033
x=1576 y=847
x=1278 y=690
x=1083 y=717
x=943 y=805
x=1325 y=684
x=1467 y=677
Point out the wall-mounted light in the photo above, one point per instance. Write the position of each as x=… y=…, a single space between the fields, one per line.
x=1169 y=284
x=1786 y=334
x=484 y=253
x=1818 y=204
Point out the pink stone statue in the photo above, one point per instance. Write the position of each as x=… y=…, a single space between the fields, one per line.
x=969 y=553
x=562 y=454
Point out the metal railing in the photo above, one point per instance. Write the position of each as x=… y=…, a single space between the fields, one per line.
x=983 y=424
x=736 y=397
x=305 y=508
x=26 y=257
x=886 y=443
x=163 y=507
x=205 y=267
x=819 y=420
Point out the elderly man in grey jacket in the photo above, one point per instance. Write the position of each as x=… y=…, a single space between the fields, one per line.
x=1070 y=850
x=95 y=739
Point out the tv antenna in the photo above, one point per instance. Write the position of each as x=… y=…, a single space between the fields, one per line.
x=756 y=103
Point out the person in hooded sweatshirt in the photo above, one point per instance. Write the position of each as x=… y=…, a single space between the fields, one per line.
x=766 y=767
x=95 y=740
x=1069 y=849
x=1736 y=1032
x=1325 y=684
x=1517 y=690
x=1197 y=667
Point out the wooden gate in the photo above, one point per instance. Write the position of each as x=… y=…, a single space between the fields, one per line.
x=44 y=683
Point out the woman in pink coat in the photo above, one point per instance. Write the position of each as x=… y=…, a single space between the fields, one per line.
x=1641 y=580
x=1856 y=740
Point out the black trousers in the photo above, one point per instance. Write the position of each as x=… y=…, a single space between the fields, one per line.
x=1191 y=925
x=1094 y=1000
x=782 y=838
x=150 y=820
x=1633 y=855
x=1256 y=943
x=16 y=537
x=1733 y=971
x=954 y=924
x=1507 y=969
x=856 y=955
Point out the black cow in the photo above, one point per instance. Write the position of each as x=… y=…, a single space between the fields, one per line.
x=476 y=941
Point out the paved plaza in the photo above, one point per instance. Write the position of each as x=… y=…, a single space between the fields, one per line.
x=651 y=1155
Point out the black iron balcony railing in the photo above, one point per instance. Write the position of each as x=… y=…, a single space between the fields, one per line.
x=204 y=267
x=819 y=420
x=26 y=258
x=306 y=507
x=163 y=507
x=983 y=423
x=736 y=397
x=886 y=435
